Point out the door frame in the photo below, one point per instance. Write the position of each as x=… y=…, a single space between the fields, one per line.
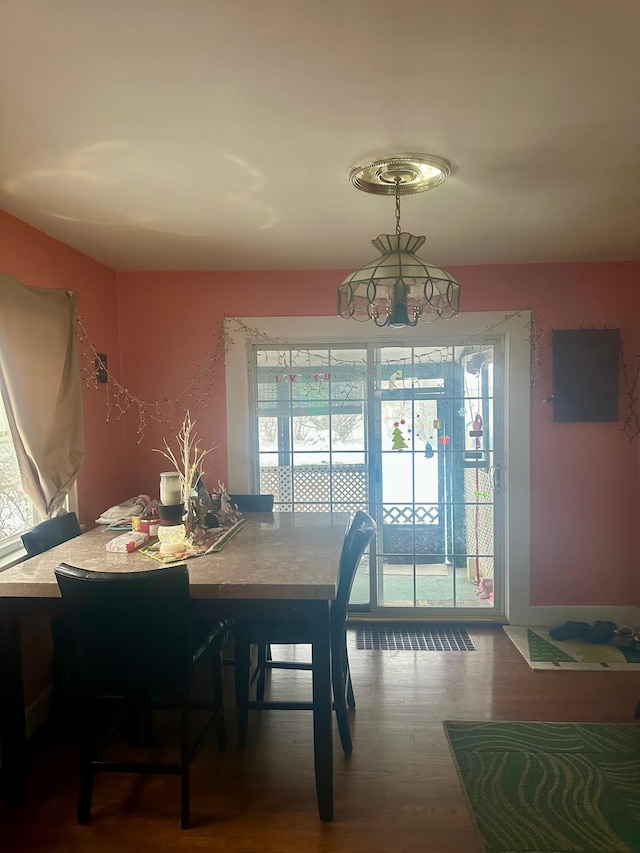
x=514 y=328
x=444 y=397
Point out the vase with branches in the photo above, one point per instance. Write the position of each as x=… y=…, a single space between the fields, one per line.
x=188 y=463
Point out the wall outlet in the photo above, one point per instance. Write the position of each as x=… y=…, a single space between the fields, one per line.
x=102 y=375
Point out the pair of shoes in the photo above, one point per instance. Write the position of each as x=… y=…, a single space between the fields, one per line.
x=623 y=637
x=570 y=631
x=601 y=632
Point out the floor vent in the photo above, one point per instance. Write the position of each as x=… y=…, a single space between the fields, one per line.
x=414 y=639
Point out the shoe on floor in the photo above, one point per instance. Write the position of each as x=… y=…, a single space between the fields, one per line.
x=570 y=631
x=601 y=632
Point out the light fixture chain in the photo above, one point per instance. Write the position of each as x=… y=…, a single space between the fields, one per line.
x=397 y=205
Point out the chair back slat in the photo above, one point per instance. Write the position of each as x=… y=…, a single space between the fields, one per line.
x=51 y=532
x=356 y=541
x=253 y=503
x=130 y=627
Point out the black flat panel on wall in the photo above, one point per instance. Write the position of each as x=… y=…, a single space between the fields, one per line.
x=586 y=370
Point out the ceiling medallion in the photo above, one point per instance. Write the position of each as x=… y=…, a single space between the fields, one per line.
x=399 y=289
x=406 y=173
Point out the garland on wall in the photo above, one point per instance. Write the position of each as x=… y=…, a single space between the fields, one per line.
x=435 y=355
x=630 y=380
x=119 y=400
x=199 y=388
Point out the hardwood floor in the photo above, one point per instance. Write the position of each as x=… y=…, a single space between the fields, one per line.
x=398 y=793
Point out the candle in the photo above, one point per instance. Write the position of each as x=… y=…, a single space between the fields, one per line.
x=170 y=488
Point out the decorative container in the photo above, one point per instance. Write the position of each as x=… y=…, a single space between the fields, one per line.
x=171 y=513
x=170 y=488
x=172 y=538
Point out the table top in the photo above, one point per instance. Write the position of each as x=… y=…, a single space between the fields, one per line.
x=276 y=555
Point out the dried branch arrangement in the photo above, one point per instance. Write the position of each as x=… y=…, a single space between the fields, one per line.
x=188 y=462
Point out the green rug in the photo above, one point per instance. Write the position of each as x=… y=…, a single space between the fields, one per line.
x=551 y=786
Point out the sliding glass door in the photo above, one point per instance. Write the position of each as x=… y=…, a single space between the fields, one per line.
x=410 y=435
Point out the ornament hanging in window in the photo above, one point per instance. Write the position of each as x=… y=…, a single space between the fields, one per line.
x=476 y=431
x=397 y=438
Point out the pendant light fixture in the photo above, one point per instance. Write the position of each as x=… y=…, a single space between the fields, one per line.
x=398 y=289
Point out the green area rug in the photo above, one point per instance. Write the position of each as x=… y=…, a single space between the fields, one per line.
x=551 y=786
x=541 y=651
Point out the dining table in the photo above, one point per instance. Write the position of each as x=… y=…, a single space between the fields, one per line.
x=281 y=565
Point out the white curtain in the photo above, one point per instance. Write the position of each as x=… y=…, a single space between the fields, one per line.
x=41 y=388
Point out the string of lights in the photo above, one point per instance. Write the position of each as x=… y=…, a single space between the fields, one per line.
x=119 y=399
x=200 y=387
x=630 y=379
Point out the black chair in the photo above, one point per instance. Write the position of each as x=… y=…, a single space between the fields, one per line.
x=263 y=632
x=42 y=537
x=253 y=503
x=53 y=531
x=132 y=645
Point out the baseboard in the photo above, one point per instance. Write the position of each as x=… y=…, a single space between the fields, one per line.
x=551 y=616
x=536 y=616
x=362 y=618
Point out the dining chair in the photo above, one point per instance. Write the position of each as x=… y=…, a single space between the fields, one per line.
x=253 y=503
x=51 y=532
x=261 y=632
x=133 y=646
x=42 y=537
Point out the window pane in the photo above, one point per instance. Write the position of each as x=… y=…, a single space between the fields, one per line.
x=16 y=510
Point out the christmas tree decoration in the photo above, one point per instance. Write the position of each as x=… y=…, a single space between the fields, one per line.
x=428 y=450
x=397 y=439
x=444 y=440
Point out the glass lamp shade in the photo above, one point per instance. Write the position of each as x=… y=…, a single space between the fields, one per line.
x=399 y=288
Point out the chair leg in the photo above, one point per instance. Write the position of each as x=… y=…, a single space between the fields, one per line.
x=339 y=699
x=351 y=699
x=87 y=747
x=218 y=692
x=139 y=720
x=264 y=654
x=185 y=766
x=242 y=677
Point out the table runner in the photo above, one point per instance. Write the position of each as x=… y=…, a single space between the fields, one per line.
x=214 y=541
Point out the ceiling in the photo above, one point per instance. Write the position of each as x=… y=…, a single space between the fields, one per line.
x=210 y=135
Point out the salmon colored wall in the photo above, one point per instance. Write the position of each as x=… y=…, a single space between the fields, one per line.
x=584 y=477
x=159 y=328
x=38 y=260
x=169 y=324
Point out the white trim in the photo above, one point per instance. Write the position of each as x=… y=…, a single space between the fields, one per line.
x=514 y=326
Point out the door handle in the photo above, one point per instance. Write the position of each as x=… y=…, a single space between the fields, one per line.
x=495 y=472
